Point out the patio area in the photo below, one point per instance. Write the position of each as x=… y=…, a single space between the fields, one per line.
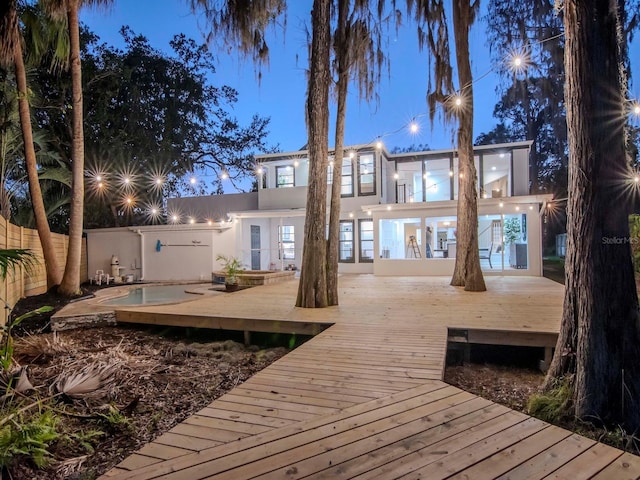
x=364 y=397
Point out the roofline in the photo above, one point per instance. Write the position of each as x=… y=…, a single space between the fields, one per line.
x=391 y=156
x=305 y=153
x=476 y=148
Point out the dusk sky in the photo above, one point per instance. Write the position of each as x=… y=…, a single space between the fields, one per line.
x=281 y=94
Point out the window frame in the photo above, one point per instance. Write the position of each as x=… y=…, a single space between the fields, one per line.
x=293 y=176
x=361 y=240
x=372 y=173
x=352 y=259
x=285 y=245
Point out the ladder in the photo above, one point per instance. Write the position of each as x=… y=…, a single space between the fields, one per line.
x=413 y=249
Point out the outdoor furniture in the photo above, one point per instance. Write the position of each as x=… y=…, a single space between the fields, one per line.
x=485 y=254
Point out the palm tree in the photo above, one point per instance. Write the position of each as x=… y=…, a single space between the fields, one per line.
x=69 y=10
x=467 y=270
x=11 y=53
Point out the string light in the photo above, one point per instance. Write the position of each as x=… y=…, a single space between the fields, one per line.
x=224 y=175
x=192 y=180
x=414 y=127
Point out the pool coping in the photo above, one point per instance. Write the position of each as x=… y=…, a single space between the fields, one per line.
x=92 y=312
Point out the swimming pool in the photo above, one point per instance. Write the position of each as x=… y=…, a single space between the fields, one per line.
x=153 y=295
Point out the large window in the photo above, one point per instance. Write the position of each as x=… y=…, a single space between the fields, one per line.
x=495 y=176
x=401 y=238
x=346 y=241
x=409 y=182
x=285 y=176
x=366 y=240
x=441 y=237
x=366 y=174
x=437 y=179
x=286 y=242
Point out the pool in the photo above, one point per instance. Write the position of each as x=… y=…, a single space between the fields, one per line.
x=153 y=295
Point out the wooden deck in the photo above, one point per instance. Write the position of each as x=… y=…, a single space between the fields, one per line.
x=364 y=398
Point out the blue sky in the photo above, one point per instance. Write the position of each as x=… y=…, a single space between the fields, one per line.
x=281 y=93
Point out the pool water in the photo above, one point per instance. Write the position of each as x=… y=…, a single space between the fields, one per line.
x=153 y=295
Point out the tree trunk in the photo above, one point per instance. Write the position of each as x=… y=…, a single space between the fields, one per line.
x=312 y=290
x=598 y=350
x=467 y=270
x=333 y=245
x=71 y=280
x=37 y=203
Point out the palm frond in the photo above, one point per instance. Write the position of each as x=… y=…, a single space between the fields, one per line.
x=61 y=175
x=13 y=258
x=87 y=382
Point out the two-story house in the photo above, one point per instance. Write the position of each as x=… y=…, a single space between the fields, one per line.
x=398 y=217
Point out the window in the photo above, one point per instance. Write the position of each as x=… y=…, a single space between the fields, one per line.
x=495 y=176
x=346 y=241
x=286 y=242
x=346 y=187
x=366 y=175
x=401 y=238
x=366 y=240
x=347 y=178
x=285 y=176
x=437 y=179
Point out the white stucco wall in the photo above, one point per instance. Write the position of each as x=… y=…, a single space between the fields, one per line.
x=105 y=242
x=187 y=252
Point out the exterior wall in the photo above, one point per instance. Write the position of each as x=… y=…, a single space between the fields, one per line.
x=103 y=243
x=186 y=252
x=25 y=282
x=211 y=207
x=281 y=198
x=185 y=255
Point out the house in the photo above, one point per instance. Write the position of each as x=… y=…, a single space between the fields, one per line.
x=398 y=217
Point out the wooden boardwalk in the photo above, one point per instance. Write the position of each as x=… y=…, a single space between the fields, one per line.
x=364 y=398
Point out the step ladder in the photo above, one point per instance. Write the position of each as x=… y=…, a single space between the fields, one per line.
x=413 y=249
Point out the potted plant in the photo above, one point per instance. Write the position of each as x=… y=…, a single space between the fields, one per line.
x=231 y=268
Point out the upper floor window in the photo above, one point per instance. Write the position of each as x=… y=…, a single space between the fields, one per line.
x=346 y=187
x=366 y=175
x=346 y=241
x=347 y=178
x=285 y=176
x=286 y=242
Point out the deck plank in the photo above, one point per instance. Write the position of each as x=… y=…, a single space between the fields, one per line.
x=364 y=397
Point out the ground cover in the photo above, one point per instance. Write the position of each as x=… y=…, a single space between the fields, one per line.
x=163 y=377
x=159 y=379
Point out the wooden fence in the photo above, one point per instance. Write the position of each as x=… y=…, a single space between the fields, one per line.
x=24 y=282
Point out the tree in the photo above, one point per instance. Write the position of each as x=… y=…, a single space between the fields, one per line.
x=312 y=289
x=598 y=349
x=11 y=52
x=358 y=54
x=527 y=45
x=70 y=9
x=156 y=120
x=467 y=270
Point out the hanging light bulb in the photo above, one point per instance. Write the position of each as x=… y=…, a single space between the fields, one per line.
x=413 y=127
x=192 y=180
